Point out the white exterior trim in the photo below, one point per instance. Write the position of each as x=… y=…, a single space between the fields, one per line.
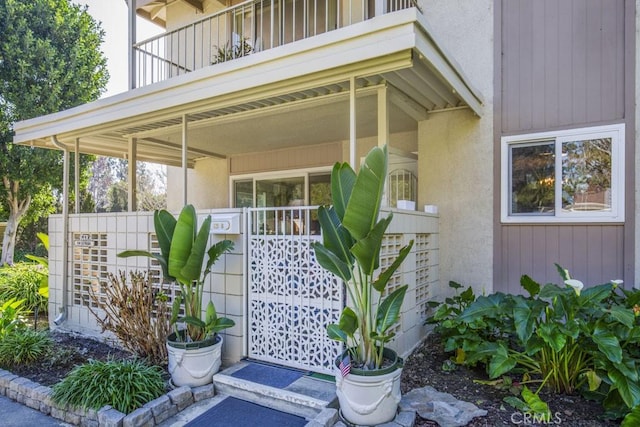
x=616 y=132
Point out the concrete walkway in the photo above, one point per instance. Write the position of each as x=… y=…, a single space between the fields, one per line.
x=13 y=414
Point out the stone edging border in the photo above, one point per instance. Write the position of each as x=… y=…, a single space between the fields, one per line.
x=38 y=397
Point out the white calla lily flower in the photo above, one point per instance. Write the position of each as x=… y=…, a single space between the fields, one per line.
x=617 y=282
x=577 y=285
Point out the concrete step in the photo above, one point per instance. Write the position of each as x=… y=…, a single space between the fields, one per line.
x=298 y=394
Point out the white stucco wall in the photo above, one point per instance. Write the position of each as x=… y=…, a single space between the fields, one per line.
x=456 y=148
x=207 y=185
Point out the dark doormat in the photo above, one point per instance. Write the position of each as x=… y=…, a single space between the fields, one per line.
x=268 y=375
x=232 y=412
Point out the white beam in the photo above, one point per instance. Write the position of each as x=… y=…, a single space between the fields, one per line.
x=132 y=172
x=185 y=159
x=383 y=117
x=352 y=122
x=132 y=41
x=76 y=173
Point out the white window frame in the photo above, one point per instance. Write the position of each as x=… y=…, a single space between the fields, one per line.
x=617 y=134
x=291 y=173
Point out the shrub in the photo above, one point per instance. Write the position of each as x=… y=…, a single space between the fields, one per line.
x=136 y=313
x=562 y=337
x=11 y=317
x=24 y=347
x=22 y=281
x=125 y=385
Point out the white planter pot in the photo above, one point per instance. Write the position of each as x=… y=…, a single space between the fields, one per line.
x=372 y=398
x=193 y=364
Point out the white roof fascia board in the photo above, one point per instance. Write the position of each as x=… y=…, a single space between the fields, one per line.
x=444 y=63
x=354 y=44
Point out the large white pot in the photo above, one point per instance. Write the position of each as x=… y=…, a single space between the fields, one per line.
x=193 y=364
x=370 y=397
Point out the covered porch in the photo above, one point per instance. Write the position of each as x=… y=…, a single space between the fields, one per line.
x=268 y=118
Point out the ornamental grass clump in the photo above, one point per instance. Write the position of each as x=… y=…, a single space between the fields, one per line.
x=24 y=347
x=22 y=282
x=125 y=385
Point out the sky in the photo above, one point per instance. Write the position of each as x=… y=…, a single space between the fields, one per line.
x=113 y=17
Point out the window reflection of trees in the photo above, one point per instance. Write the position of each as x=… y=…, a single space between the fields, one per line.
x=533 y=178
x=586 y=174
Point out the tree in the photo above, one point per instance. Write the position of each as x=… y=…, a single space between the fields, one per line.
x=50 y=60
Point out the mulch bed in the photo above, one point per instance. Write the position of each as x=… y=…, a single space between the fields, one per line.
x=423 y=367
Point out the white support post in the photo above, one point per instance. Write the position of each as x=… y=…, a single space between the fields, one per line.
x=132 y=172
x=380 y=7
x=132 y=41
x=383 y=131
x=76 y=173
x=184 y=159
x=352 y=122
x=383 y=116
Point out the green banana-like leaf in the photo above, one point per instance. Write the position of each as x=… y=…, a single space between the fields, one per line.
x=44 y=238
x=362 y=210
x=211 y=314
x=335 y=333
x=381 y=282
x=158 y=257
x=334 y=236
x=389 y=310
x=343 y=179
x=348 y=321
x=183 y=237
x=164 y=224
x=216 y=251
x=593 y=380
x=194 y=321
x=220 y=324
x=367 y=249
x=192 y=270
x=40 y=260
x=607 y=343
x=329 y=261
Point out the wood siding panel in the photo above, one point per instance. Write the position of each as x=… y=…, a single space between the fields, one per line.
x=562 y=63
x=593 y=254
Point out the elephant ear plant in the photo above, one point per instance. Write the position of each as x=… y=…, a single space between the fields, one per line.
x=352 y=238
x=182 y=253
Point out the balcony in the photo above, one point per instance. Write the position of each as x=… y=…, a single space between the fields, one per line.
x=248 y=28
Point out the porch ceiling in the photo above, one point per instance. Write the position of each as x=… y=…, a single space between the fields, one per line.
x=294 y=95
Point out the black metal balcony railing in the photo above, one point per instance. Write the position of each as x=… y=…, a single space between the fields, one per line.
x=249 y=27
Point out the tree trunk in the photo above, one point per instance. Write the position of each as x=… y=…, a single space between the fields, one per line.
x=17 y=209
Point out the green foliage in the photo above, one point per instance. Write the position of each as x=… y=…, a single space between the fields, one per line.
x=11 y=317
x=229 y=52
x=568 y=338
x=352 y=238
x=50 y=60
x=182 y=250
x=22 y=281
x=24 y=347
x=125 y=385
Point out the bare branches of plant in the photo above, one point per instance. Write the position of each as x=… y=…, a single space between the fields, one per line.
x=137 y=313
